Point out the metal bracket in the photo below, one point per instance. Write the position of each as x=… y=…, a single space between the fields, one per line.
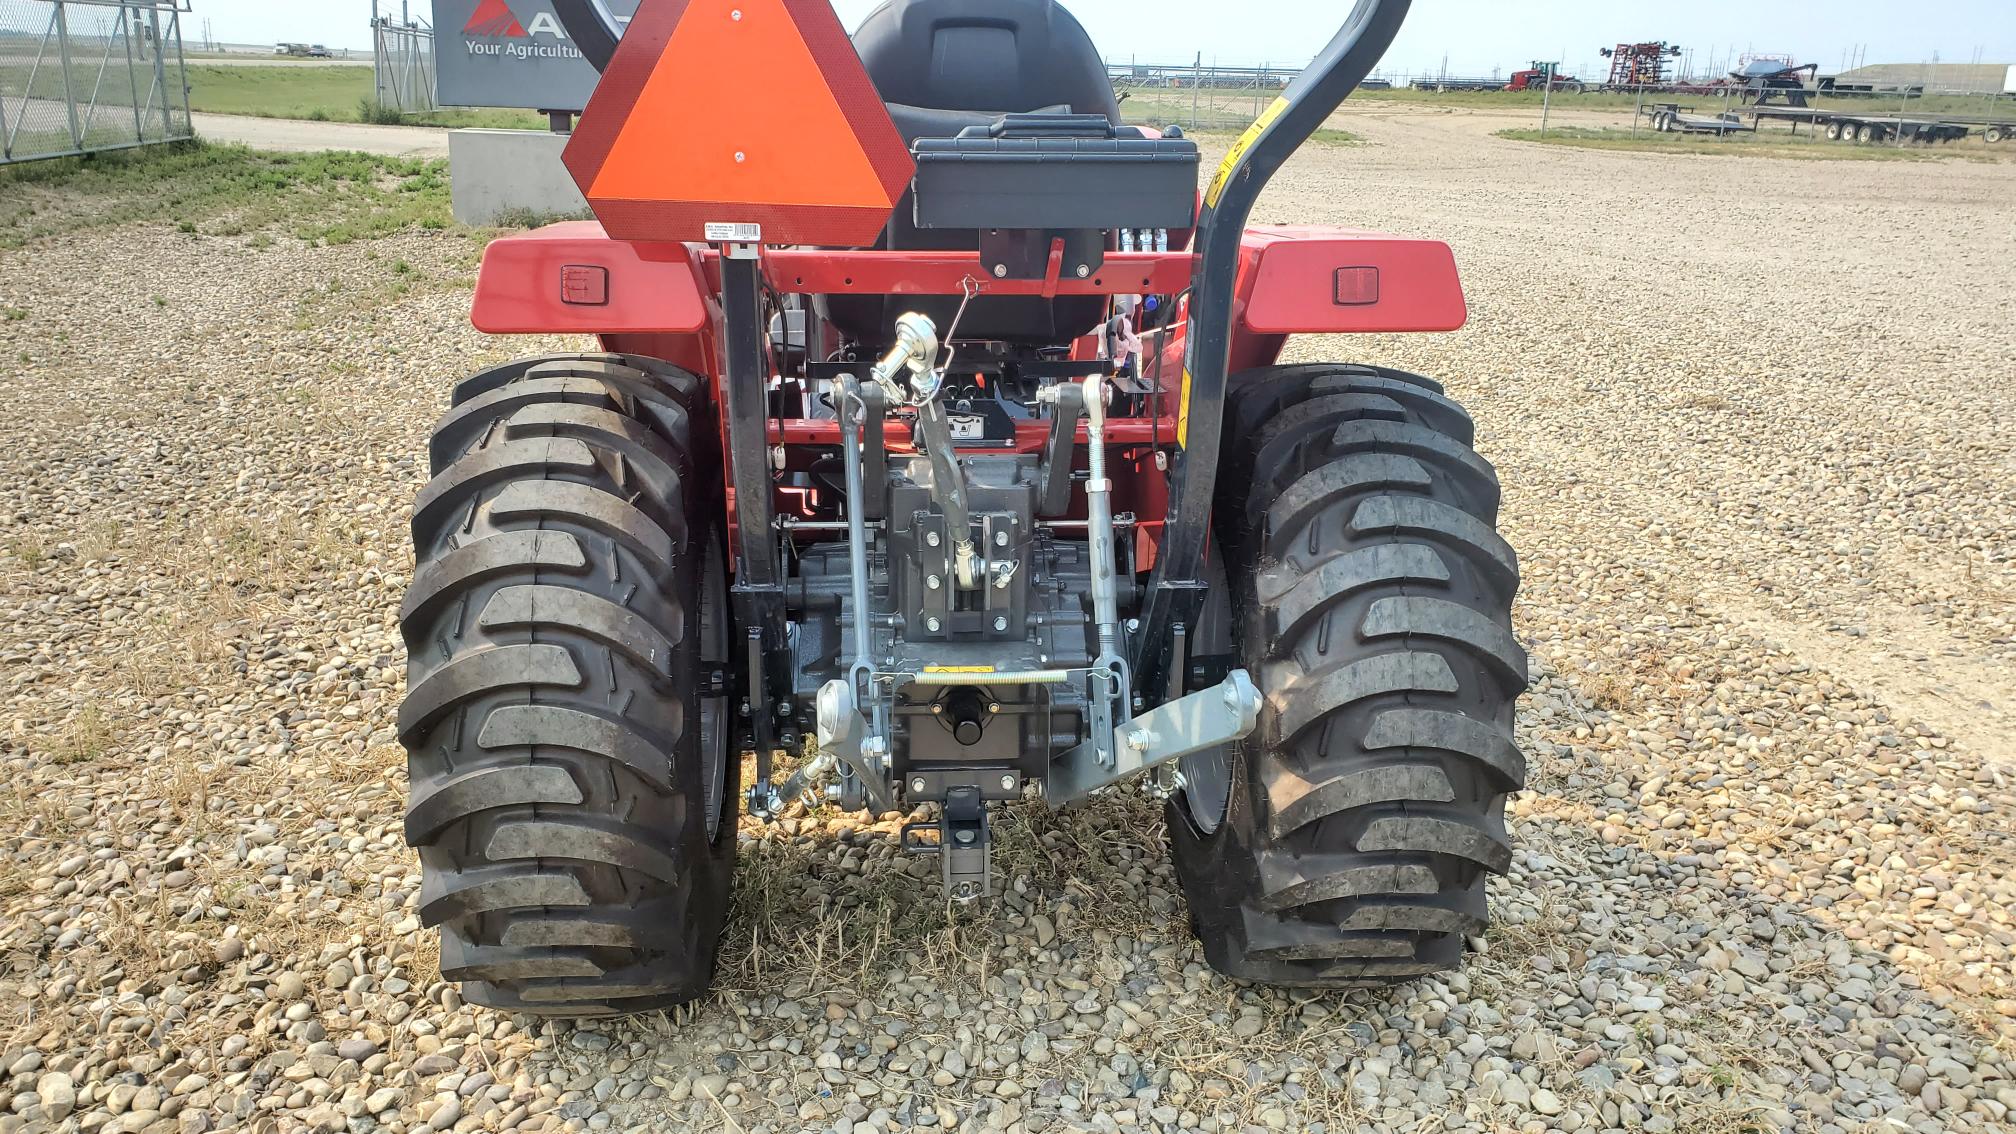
x=963 y=844
x=758 y=589
x=1208 y=718
x=844 y=733
x=1060 y=446
x=874 y=452
x=1024 y=253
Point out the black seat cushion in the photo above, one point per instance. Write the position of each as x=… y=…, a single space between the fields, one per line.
x=943 y=65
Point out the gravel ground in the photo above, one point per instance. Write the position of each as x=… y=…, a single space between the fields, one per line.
x=1758 y=456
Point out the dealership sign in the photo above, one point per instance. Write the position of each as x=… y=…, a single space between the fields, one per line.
x=511 y=53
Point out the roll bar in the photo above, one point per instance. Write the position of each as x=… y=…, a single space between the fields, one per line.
x=593 y=28
x=1175 y=591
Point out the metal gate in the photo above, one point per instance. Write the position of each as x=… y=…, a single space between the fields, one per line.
x=403 y=57
x=83 y=76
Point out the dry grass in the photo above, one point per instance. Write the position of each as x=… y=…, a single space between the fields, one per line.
x=1611 y=692
x=87 y=737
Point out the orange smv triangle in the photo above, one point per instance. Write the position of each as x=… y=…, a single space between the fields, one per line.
x=739 y=110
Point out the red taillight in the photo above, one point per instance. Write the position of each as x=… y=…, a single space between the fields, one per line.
x=1357 y=287
x=584 y=285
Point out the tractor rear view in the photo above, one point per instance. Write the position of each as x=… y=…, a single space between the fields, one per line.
x=939 y=453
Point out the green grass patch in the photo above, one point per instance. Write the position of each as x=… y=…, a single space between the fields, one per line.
x=378 y=114
x=316 y=94
x=279 y=92
x=1335 y=137
x=324 y=94
x=1778 y=144
x=209 y=190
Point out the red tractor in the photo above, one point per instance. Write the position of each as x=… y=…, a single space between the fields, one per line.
x=938 y=457
x=1537 y=77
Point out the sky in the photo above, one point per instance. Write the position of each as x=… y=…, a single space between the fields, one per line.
x=1475 y=36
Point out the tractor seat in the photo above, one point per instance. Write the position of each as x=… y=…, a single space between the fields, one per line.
x=944 y=65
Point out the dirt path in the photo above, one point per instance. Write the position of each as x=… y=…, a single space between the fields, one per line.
x=1777 y=373
x=299 y=135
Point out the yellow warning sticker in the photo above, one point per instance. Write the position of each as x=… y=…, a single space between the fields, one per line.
x=1239 y=149
x=1183 y=413
x=960 y=669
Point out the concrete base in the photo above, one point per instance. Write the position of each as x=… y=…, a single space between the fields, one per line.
x=511 y=176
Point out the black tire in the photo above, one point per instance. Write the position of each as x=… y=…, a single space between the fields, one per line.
x=1372 y=605
x=1833 y=131
x=573 y=798
x=1992 y=134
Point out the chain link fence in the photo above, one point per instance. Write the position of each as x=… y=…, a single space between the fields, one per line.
x=1197 y=96
x=403 y=58
x=83 y=76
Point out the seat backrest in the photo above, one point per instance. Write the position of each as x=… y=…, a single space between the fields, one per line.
x=996 y=56
x=946 y=64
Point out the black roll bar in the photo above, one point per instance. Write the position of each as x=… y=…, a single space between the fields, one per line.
x=593 y=28
x=1176 y=589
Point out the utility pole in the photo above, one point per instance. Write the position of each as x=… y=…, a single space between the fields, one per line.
x=1196 y=77
x=1546 y=94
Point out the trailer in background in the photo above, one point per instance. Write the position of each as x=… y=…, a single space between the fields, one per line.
x=1673 y=118
x=1454 y=84
x=1871 y=129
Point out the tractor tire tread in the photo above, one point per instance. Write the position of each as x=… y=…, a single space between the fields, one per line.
x=551 y=742
x=1373 y=599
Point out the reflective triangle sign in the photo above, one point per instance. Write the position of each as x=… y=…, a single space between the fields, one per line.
x=739 y=111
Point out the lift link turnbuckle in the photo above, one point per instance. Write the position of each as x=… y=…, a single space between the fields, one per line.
x=1109 y=690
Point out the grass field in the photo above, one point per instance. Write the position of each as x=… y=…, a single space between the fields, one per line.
x=344 y=94
x=330 y=197
x=336 y=94
x=1773 y=143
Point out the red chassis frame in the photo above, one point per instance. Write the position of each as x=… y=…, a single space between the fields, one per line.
x=660 y=300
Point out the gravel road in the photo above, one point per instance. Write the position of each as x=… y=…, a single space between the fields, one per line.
x=300 y=135
x=1756 y=431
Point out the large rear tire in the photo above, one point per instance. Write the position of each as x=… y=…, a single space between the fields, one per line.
x=1372 y=603
x=572 y=796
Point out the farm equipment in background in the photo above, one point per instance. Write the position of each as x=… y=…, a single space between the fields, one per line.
x=938 y=456
x=1641 y=65
x=1776 y=80
x=1538 y=76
